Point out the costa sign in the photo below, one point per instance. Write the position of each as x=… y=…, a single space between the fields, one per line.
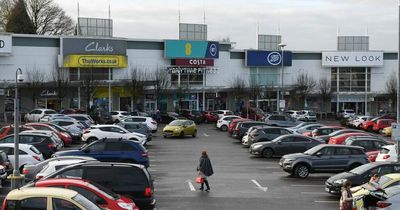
x=352 y=59
x=5 y=44
x=192 y=62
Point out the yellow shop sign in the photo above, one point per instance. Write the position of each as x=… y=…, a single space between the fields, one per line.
x=116 y=61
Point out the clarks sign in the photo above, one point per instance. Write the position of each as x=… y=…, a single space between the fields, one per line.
x=352 y=59
x=75 y=46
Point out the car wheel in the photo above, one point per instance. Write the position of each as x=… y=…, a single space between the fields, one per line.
x=267 y=153
x=91 y=139
x=182 y=134
x=224 y=128
x=194 y=134
x=302 y=171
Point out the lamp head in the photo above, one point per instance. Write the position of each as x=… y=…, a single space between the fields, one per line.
x=281 y=45
x=20 y=77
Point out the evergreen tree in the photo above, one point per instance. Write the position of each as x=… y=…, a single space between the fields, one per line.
x=19 y=21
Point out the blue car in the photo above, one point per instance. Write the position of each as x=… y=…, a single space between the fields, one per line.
x=112 y=150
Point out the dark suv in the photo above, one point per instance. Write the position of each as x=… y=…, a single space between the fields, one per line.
x=127 y=179
x=266 y=134
x=281 y=120
x=324 y=158
x=243 y=127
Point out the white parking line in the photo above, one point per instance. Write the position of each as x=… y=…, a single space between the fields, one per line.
x=206 y=135
x=191 y=187
x=326 y=201
x=307 y=185
x=259 y=186
x=313 y=193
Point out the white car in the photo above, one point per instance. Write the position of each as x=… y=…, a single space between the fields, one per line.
x=359 y=120
x=71 y=125
x=28 y=154
x=346 y=113
x=36 y=114
x=83 y=118
x=56 y=139
x=150 y=122
x=224 y=121
x=387 y=153
x=293 y=113
x=306 y=115
x=97 y=132
x=56 y=165
x=222 y=113
x=118 y=115
x=306 y=128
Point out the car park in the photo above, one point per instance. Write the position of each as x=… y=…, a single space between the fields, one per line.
x=30 y=171
x=131 y=180
x=56 y=165
x=96 y=193
x=326 y=138
x=28 y=154
x=232 y=125
x=97 y=132
x=266 y=133
x=223 y=122
x=293 y=113
x=360 y=175
x=245 y=138
x=36 y=114
x=46 y=198
x=9 y=129
x=112 y=150
x=51 y=117
x=282 y=145
x=281 y=121
x=150 y=122
x=357 y=122
x=323 y=158
x=58 y=142
x=368 y=125
x=137 y=128
x=180 y=128
x=372 y=145
x=242 y=128
x=69 y=124
x=387 y=153
x=76 y=135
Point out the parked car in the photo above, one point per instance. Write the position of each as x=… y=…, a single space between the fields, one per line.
x=58 y=142
x=210 y=116
x=387 y=153
x=387 y=131
x=51 y=117
x=46 y=198
x=360 y=175
x=28 y=154
x=306 y=128
x=9 y=129
x=112 y=150
x=137 y=128
x=293 y=113
x=243 y=127
x=281 y=121
x=222 y=113
x=323 y=158
x=223 y=122
x=64 y=136
x=357 y=122
x=339 y=139
x=94 y=192
x=101 y=117
x=5 y=165
x=83 y=118
x=118 y=115
x=131 y=180
x=245 y=138
x=369 y=124
x=283 y=145
x=171 y=116
x=76 y=135
x=266 y=134
x=391 y=198
x=194 y=115
x=97 y=132
x=150 y=122
x=325 y=130
x=232 y=125
x=253 y=113
x=381 y=124
x=56 y=165
x=345 y=113
x=372 y=145
x=43 y=142
x=30 y=171
x=326 y=138
x=180 y=128
x=36 y=114
x=307 y=115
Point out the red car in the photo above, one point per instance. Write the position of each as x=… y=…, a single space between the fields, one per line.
x=233 y=123
x=325 y=130
x=65 y=137
x=94 y=192
x=9 y=129
x=372 y=155
x=381 y=124
x=210 y=116
x=369 y=125
x=341 y=138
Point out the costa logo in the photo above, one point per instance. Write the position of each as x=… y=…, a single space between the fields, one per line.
x=274 y=58
x=2 y=44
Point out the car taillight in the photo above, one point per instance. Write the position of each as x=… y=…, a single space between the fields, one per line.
x=36 y=157
x=148 y=192
x=25 y=171
x=145 y=154
x=382 y=204
x=386 y=156
x=51 y=146
x=39 y=177
x=3 y=207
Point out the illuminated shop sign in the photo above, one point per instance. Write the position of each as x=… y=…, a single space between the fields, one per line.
x=190 y=49
x=82 y=61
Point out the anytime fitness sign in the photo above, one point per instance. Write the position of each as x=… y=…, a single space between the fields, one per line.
x=352 y=59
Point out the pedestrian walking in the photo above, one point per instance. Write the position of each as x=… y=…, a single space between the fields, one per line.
x=205 y=170
x=346 y=200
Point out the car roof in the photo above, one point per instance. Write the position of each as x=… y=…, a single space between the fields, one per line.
x=340 y=145
x=21 y=146
x=25 y=133
x=66 y=162
x=65 y=119
x=45 y=109
x=230 y=116
x=102 y=126
x=76 y=181
x=104 y=164
x=40 y=192
x=39 y=132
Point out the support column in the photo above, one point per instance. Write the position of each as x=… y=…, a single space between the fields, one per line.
x=366 y=91
x=337 y=90
x=110 y=104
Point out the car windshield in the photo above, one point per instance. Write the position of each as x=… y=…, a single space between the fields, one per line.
x=384 y=180
x=313 y=150
x=177 y=123
x=362 y=169
x=85 y=202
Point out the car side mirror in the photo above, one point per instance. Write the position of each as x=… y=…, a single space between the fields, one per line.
x=279 y=142
x=318 y=154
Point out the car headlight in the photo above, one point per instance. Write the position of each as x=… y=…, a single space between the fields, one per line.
x=125 y=206
x=256 y=146
x=340 y=181
x=177 y=129
x=288 y=161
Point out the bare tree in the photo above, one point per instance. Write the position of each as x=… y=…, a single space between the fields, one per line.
x=89 y=86
x=239 y=89
x=161 y=83
x=62 y=83
x=47 y=17
x=305 y=85
x=36 y=80
x=135 y=86
x=391 y=89
x=324 y=88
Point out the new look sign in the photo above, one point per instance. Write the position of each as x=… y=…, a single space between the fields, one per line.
x=259 y=58
x=352 y=59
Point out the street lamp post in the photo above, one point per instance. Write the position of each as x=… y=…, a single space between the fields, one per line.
x=280 y=91
x=398 y=84
x=16 y=178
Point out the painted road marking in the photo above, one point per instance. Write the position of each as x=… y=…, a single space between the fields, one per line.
x=259 y=186
x=314 y=193
x=206 y=135
x=191 y=187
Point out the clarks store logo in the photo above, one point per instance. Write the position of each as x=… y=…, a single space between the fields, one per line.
x=96 y=47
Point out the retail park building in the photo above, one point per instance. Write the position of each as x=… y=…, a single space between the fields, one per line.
x=201 y=75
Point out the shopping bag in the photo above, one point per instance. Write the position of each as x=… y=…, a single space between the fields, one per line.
x=199 y=180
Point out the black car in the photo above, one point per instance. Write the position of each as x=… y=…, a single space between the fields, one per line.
x=131 y=180
x=266 y=134
x=286 y=144
x=43 y=142
x=76 y=136
x=324 y=158
x=141 y=128
x=171 y=116
x=194 y=115
x=360 y=175
x=243 y=127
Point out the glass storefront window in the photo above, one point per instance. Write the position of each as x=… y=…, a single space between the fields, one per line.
x=351 y=79
x=191 y=79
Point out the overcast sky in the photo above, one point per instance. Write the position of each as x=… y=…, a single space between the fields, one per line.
x=304 y=24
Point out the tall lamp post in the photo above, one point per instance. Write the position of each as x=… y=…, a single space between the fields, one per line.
x=16 y=178
x=398 y=83
x=280 y=91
